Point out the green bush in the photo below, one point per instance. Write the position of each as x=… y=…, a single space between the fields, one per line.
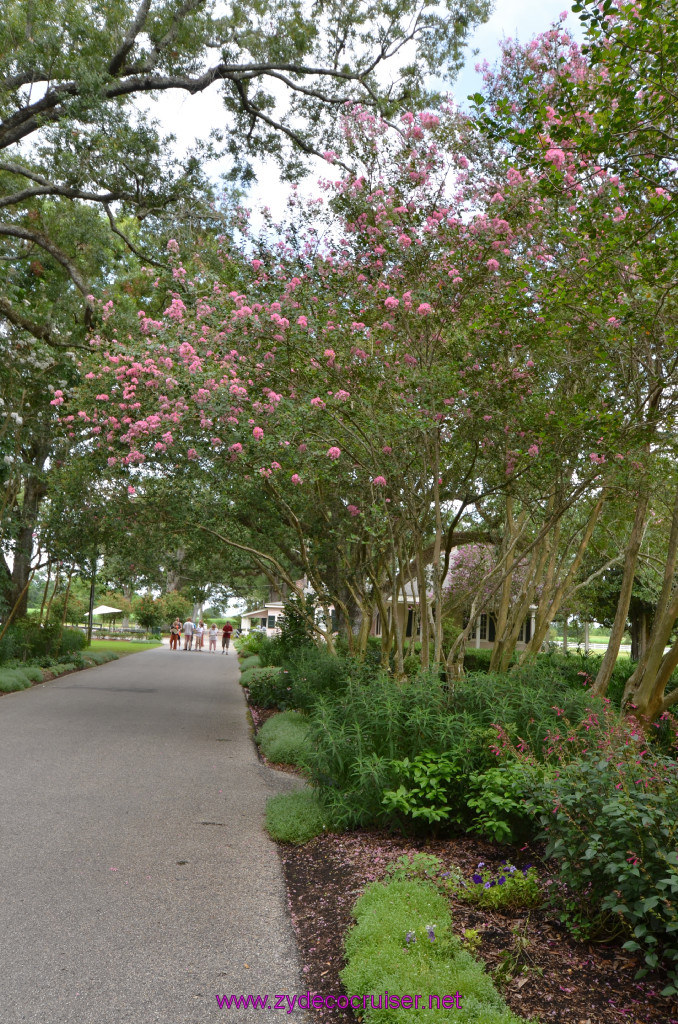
x=359 y=735
x=266 y=686
x=34 y=674
x=295 y=817
x=284 y=738
x=610 y=820
x=424 y=789
x=403 y=943
x=251 y=642
x=13 y=679
x=497 y=796
x=313 y=671
x=27 y=640
x=250 y=661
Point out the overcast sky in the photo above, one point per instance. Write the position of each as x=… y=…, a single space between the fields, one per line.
x=191 y=117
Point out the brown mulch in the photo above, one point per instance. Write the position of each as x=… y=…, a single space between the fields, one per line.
x=557 y=979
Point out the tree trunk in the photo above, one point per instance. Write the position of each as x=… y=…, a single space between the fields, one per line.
x=599 y=688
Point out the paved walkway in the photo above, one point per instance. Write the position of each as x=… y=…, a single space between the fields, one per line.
x=136 y=879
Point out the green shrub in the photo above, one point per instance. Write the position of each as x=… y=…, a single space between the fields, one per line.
x=295 y=817
x=266 y=685
x=359 y=735
x=250 y=643
x=403 y=943
x=27 y=640
x=284 y=738
x=497 y=796
x=424 y=789
x=610 y=819
x=13 y=679
x=34 y=674
x=250 y=661
x=313 y=671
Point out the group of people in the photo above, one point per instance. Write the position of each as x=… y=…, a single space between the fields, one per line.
x=194 y=635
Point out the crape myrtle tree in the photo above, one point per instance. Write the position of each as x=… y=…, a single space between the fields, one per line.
x=86 y=175
x=369 y=384
x=603 y=119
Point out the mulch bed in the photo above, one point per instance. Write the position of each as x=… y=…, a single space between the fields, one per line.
x=558 y=979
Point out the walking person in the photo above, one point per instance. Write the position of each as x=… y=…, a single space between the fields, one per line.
x=175 y=633
x=226 y=637
x=214 y=632
x=188 y=634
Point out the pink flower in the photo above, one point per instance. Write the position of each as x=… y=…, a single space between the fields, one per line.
x=302 y=447
x=264 y=471
x=353 y=509
x=112 y=460
x=342 y=396
x=533 y=450
x=276 y=465
x=334 y=452
x=391 y=302
x=191 y=453
x=131 y=491
x=555 y=157
x=257 y=433
x=598 y=459
x=318 y=403
x=379 y=481
x=296 y=479
x=173 y=245
x=493 y=265
x=302 y=321
x=387 y=449
x=425 y=307
x=235 y=448
x=404 y=240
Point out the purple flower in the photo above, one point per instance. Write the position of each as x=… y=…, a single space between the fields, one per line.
x=431 y=929
x=501 y=880
x=477 y=879
x=410 y=937
x=488 y=885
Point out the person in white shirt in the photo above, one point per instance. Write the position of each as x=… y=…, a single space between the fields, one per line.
x=188 y=634
x=198 y=631
x=214 y=632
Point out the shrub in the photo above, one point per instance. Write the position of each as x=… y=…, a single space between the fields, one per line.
x=312 y=671
x=359 y=736
x=268 y=687
x=250 y=661
x=498 y=799
x=284 y=738
x=295 y=817
x=251 y=642
x=33 y=673
x=13 y=679
x=28 y=640
x=403 y=942
x=610 y=819
x=424 y=789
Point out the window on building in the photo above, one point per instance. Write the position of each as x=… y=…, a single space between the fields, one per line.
x=262 y=622
x=271 y=622
x=483 y=626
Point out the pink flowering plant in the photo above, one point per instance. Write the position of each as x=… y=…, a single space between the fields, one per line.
x=608 y=813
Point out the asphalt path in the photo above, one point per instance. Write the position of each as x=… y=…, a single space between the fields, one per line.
x=136 y=880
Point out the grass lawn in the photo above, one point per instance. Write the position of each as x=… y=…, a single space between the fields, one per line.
x=122 y=647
